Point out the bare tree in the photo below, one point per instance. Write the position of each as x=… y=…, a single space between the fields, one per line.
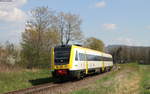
x=69 y=27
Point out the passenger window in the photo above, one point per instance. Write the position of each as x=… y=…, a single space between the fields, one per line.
x=82 y=56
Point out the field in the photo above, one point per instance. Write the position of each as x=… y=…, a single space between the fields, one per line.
x=23 y=78
x=145 y=79
x=130 y=79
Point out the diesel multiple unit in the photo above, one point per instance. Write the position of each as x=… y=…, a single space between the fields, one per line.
x=76 y=61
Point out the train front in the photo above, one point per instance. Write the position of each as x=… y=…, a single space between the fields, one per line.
x=60 y=61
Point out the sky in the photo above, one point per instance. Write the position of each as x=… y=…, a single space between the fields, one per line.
x=115 y=22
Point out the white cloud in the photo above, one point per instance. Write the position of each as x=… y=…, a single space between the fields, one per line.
x=12 y=15
x=109 y=26
x=13 y=3
x=20 y=2
x=10 y=11
x=100 y=4
x=128 y=41
x=12 y=20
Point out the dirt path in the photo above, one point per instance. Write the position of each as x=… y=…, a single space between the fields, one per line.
x=127 y=82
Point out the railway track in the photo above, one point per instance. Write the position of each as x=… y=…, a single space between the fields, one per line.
x=33 y=89
x=59 y=88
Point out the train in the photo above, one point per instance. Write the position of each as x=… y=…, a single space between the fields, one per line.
x=73 y=61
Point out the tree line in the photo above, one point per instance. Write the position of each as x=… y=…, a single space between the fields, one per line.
x=127 y=54
x=46 y=28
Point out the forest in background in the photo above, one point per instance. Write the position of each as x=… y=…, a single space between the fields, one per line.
x=127 y=54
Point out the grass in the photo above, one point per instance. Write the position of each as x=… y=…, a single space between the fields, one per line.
x=130 y=79
x=19 y=79
x=145 y=80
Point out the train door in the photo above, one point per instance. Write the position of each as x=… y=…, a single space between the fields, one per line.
x=86 y=63
x=103 y=64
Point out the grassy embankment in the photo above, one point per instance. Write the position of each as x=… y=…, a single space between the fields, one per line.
x=22 y=78
x=130 y=79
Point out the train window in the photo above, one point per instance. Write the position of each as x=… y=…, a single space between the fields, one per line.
x=76 y=58
x=107 y=59
x=93 y=57
x=89 y=57
x=62 y=55
x=82 y=57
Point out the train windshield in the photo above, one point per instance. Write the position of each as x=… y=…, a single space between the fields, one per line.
x=62 y=55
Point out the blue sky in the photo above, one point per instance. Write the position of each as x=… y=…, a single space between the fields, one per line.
x=113 y=21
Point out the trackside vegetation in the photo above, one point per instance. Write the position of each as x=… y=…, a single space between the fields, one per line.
x=15 y=80
x=145 y=80
x=130 y=79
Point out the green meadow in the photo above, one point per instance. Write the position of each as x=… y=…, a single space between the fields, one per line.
x=130 y=79
x=19 y=79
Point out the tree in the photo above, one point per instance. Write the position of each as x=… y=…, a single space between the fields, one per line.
x=94 y=43
x=39 y=37
x=9 y=54
x=149 y=57
x=69 y=27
